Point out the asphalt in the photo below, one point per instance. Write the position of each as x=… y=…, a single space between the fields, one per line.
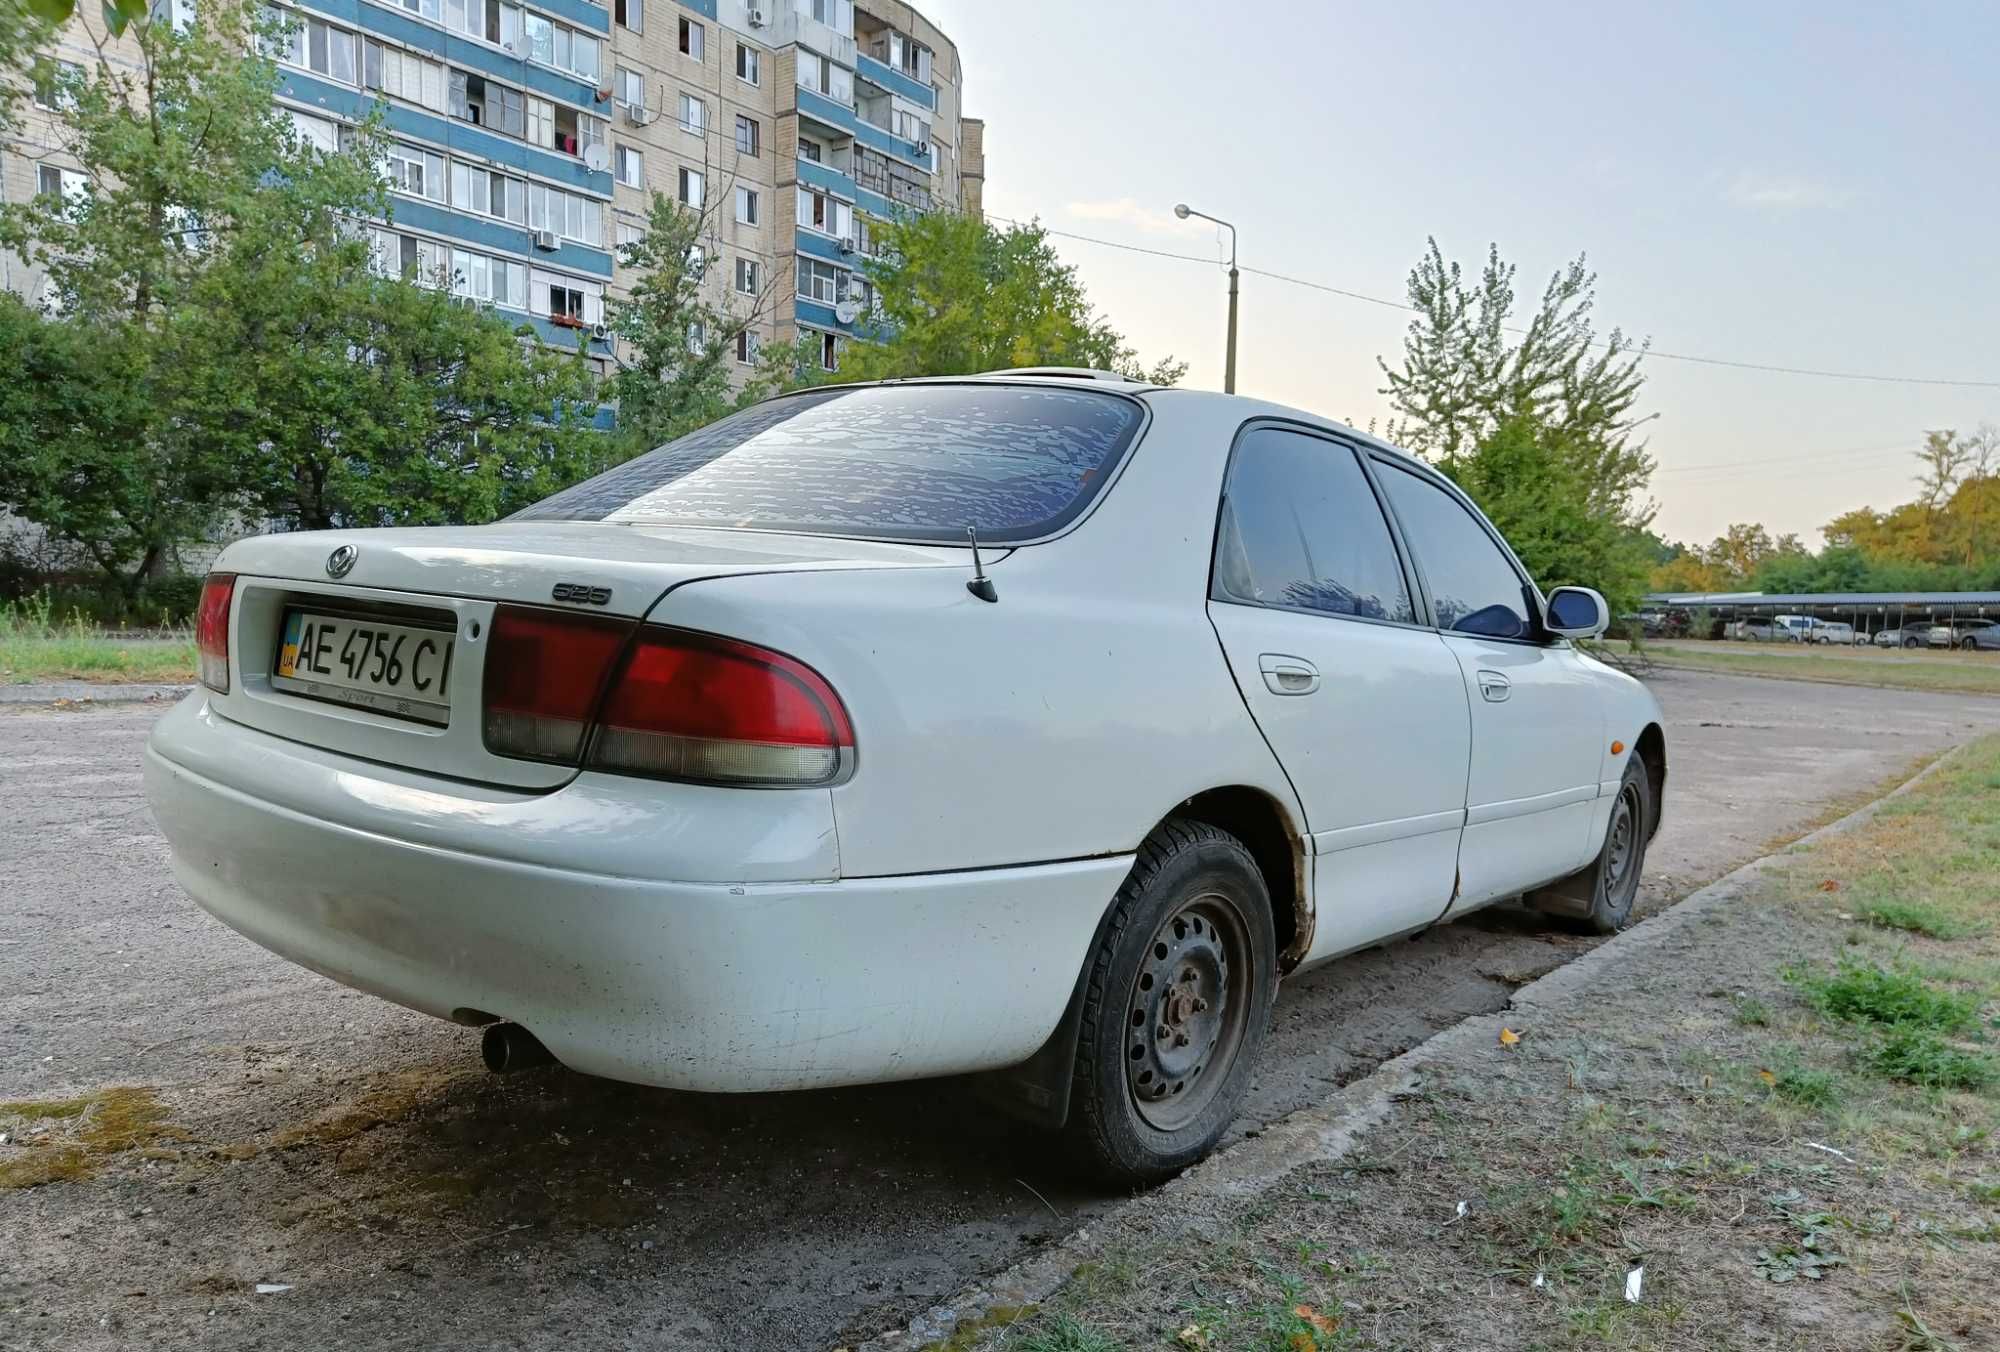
x=318 y=1139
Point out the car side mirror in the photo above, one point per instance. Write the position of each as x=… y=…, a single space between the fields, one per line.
x=1578 y=612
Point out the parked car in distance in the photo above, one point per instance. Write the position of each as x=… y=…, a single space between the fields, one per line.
x=1832 y=631
x=741 y=767
x=1902 y=636
x=1792 y=628
x=1758 y=630
x=1967 y=634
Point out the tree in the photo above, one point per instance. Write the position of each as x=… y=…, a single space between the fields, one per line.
x=188 y=167
x=958 y=295
x=677 y=378
x=1484 y=401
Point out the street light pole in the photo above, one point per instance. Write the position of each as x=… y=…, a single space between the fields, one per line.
x=1183 y=210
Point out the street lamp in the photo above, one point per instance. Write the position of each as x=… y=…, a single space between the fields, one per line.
x=1183 y=210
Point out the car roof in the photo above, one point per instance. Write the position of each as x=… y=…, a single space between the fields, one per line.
x=1162 y=396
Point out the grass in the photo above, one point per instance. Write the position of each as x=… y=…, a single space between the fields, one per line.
x=1977 y=674
x=1792 y=1125
x=94 y=1127
x=36 y=645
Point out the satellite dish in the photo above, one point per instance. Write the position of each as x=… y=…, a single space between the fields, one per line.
x=847 y=311
x=596 y=157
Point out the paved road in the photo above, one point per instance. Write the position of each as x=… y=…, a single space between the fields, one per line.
x=317 y=1138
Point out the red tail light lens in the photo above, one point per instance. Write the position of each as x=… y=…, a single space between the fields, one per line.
x=544 y=672
x=697 y=707
x=211 y=630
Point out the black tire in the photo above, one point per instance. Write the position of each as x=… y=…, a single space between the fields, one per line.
x=1970 y=645
x=1911 y=643
x=1614 y=878
x=1179 y=992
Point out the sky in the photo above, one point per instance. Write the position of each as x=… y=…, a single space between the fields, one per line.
x=1801 y=185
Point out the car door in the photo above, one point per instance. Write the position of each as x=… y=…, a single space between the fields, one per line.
x=1537 y=715
x=1361 y=701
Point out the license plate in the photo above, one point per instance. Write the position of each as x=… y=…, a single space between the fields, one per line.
x=389 y=668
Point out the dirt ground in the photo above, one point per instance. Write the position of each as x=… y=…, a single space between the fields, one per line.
x=282 y=1130
x=1767 y=1123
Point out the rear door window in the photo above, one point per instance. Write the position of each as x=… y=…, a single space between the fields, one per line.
x=894 y=462
x=1474 y=586
x=1301 y=529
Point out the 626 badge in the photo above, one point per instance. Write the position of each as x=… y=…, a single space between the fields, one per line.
x=582 y=594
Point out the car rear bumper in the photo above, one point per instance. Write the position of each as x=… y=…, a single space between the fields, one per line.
x=716 y=986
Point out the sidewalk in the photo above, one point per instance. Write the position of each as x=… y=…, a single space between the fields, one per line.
x=91 y=692
x=1706 y=1134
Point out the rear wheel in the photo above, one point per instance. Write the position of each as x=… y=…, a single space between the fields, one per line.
x=1911 y=643
x=1970 y=644
x=1176 y=1005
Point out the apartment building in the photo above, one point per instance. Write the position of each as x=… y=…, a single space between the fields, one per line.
x=528 y=137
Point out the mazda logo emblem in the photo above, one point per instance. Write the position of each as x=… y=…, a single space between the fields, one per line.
x=341 y=562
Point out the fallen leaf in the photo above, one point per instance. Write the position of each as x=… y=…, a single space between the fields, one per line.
x=1830 y=885
x=1194 y=1335
x=1508 y=1037
x=1302 y=1342
x=1319 y=1321
x=1766 y=1076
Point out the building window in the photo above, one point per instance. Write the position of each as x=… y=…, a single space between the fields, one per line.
x=829 y=352
x=403 y=75
x=488 y=193
x=810 y=150
x=630 y=13
x=631 y=167
x=694 y=115
x=749 y=137
x=749 y=64
x=416 y=171
x=321 y=48
x=828 y=215
x=55 y=90
x=746 y=205
x=492 y=280
x=541 y=122
x=425 y=8
x=746 y=348
x=835 y=14
x=692 y=35
x=693 y=188
x=697 y=338
x=68 y=184
x=322 y=134
x=569 y=301
x=820 y=281
x=629 y=234
x=749 y=274
x=565 y=48
x=571 y=215
x=629 y=88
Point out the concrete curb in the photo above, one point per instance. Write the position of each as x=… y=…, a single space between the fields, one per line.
x=1658 y=665
x=1333 y=1129
x=90 y=692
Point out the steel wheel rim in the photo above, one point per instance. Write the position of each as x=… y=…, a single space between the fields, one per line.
x=1187 y=1010
x=1622 y=848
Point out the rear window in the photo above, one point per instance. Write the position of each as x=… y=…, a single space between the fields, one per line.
x=899 y=462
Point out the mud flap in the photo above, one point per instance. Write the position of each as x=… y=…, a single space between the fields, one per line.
x=1571 y=896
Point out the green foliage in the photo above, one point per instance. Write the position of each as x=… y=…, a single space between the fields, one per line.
x=1536 y=426
x=219 y=345
x=1858 y=992
x=959 y=295
x=1924 y=1058
x=1917 y=917
x=673 y=383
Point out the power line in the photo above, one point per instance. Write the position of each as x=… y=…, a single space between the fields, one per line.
x=1899 y=448
x=1728 y=363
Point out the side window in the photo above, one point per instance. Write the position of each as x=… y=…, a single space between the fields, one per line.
x=1301 y=528
x=1473 y=584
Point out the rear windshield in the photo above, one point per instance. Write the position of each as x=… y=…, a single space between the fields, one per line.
x=899 y=462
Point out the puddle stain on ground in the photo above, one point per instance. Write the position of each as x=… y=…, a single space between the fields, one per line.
x=81 y=1133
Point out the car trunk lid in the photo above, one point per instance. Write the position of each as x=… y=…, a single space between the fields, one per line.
x=428 y=597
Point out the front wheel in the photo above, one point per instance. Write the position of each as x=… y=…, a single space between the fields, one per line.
x=1176 y=1004
x=1970 y=645
x=1911 y=643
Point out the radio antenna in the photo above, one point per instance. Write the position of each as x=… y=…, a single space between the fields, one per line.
x=981 y=585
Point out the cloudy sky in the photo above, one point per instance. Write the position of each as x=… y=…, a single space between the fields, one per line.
x=1805 y=185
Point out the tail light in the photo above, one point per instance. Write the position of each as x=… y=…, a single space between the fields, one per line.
x=544 y=672
x=211 y=630
x=713 y=710
x=682 y=705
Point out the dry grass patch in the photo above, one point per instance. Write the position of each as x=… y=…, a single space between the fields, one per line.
x=83 y=1132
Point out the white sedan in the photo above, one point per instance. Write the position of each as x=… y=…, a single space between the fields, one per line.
x=738 y=767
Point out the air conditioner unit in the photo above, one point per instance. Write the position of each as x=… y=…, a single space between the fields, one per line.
x=637 y=116
x=847 y=245
x=601 y=332
x=758 y=18
x=545 y=240
x=919 y=148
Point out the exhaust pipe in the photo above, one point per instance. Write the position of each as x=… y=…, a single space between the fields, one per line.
x=509 y=1047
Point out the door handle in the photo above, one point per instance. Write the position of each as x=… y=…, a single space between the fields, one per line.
x=1495 y=687
x=1288 y=675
